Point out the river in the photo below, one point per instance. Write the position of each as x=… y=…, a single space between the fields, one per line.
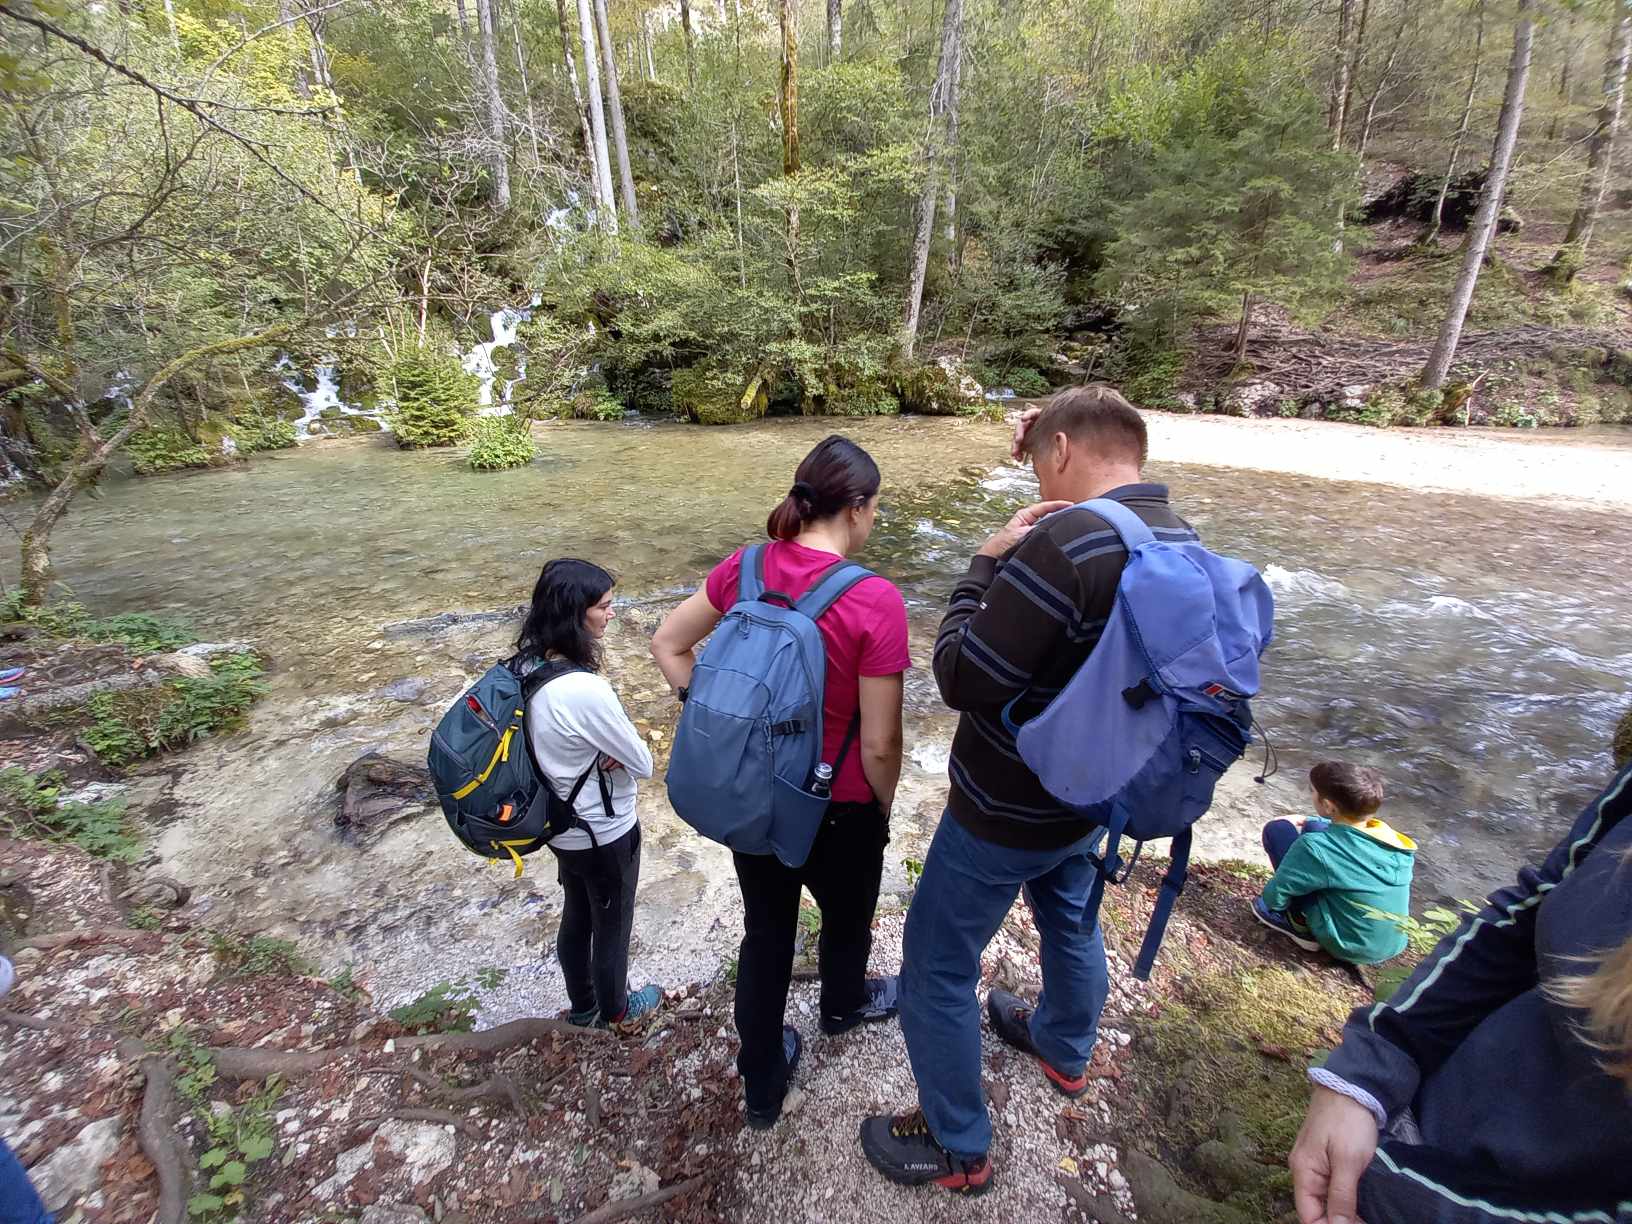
x=1476 y=650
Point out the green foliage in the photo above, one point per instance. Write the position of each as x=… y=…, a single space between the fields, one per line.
x=31 y=806
x=1422 y=935
x=126 y=726
x=448 y=1007
x=915 y=871
x=871 y=398
x=167 y=450
x=434 y=399
x=1146 y=362
x=239 y=1134
x=141 y=631
x=258 y=955
x=711 y=396
x=263 y=433
x=500 y=442
x=598 y=404
x=927 y=387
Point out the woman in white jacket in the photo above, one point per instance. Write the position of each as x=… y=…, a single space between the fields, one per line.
x=579 y=733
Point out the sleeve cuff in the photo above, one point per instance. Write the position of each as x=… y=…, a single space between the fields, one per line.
x=983 y=568
x=1325 y=1079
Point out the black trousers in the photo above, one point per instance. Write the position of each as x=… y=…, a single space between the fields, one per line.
x=596 y=921
x=843 y=872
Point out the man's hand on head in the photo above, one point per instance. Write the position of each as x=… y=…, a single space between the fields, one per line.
x=1018 y=527
x=1017 y=448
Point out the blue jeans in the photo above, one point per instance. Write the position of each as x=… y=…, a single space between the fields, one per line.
x=18 y=1202
x=967 y=889
x=1280 y=834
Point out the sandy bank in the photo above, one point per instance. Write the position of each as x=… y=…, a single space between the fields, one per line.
x=1580 y=468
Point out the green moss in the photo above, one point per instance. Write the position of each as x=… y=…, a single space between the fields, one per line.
x=870 y=398
x=501 y=442
x=167 y=450
x=717 y=397
x=1621 y=745
x=129 y=725
x=928 y=388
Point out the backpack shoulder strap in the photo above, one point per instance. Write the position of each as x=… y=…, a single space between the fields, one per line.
x=830 y=586
x=751 y=580
x=541 y=675
x=1135 y=532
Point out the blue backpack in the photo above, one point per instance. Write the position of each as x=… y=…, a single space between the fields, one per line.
x=496 y=799
x=1143 y=731
x=743 y=767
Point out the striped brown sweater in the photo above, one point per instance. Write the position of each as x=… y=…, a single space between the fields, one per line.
x=1020 y=627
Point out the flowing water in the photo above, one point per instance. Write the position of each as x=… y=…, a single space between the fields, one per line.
x=1476 y=650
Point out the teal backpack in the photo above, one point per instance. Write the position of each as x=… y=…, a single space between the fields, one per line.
x=496 y=799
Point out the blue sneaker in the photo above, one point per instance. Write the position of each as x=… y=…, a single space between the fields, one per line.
x=7 y=976
x=8 y=691
x=11 y=675
x=590 y=1018
x=641 y=1002
x=1283 y=924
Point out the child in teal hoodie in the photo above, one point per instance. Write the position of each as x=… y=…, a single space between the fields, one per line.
x=1341 y=878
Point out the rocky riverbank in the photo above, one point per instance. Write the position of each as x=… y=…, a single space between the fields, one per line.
x=144 y=1068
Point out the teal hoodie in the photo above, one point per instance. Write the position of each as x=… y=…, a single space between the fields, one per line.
x=1334 y=877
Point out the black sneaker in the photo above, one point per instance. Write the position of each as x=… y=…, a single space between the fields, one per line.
x=883 y=1001
x=1011 y=1020
x=792 y=1048
x=904 y=1151
x=1284 y=924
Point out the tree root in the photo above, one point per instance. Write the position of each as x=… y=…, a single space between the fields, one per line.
x=180 y=894
x=64 y=939
x=237 y=1063
x=44 y=1023
x=1100 y=1208
x=499 y=1088
x=622 y=1209
x=490 y=1041
x=156 y=1132
x=442 y=1117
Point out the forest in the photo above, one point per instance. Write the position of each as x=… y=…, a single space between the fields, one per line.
x=731 y=208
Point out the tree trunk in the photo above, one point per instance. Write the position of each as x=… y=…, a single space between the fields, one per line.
x=691 y=48
x=1490 y=202
x=1340 y=77
x=1602 y=147
x=36 y=577
x=1357 y=56
x=788 y=104
x=459 y=8
x=614 y=101
x=571 y=64
x=288 y=14
x=488 y=86
x=646 y=49
x=1245 y=327
x=1570 y=49
x=941 y=94
x=835 y=30
x=1432 y=236
x=170 y=20
x=1382 y=83
x=605 y=206
x=954 y=160
x=526 y=86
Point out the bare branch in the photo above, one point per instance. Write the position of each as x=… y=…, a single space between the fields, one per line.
x=302 y=15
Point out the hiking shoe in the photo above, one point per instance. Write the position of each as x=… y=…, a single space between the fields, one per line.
x=1283 y=924
x=883 y=1001
x=10 y=675
x=640 y=1002
x=903 y=1150
x=583 y=1019
x=1011 y=1020
x=7 y=977
x=793 y=1048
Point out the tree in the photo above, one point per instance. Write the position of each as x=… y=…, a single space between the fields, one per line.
x=1342 y=71
x=1601 y=146
x=1234 y=216
x=691 y=44
x=788 y=107
x=835 y=30
x=1490 y=203
x=942 y=100
x=614 y=101
x=586 y=132
x=605 y=208
x=487 y=76
x=1432 y=236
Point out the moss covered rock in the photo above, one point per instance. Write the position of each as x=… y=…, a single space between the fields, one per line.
x=1621 y=746
x=870 y=398
x=718 y=397
x=936 y=388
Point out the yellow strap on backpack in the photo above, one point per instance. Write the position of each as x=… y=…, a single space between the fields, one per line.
x=501 y=753
x=510 y=847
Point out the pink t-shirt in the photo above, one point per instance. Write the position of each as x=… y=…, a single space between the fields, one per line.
x=865 y=634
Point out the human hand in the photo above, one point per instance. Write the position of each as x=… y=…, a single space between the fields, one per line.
x=1024 y=424
x=608 y=764
x=1337 y=1142
x=1019 y=526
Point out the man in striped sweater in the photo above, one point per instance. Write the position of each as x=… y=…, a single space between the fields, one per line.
x=1021 y=621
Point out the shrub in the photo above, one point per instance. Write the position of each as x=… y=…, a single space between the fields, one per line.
x=434 y=399
x=864 y=399
x=597 y=404
x=166 y=450
x=263 y=433
x=141 y=631
x=259 y=954
x=500 y=442
x=447 y=1007
x=136 y=723
x=31 y=806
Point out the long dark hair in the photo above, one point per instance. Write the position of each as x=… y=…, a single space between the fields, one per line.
x=566 y=589
x=836 y=475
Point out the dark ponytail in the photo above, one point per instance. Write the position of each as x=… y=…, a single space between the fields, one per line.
x=566 y=590
x=836 y=475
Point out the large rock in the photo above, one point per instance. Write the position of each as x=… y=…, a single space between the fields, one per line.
x=377 y=792
x=74 y=1169
x=936 y=388
x=717 y=397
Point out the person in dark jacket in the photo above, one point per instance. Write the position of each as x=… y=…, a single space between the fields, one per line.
x=1496 y=1084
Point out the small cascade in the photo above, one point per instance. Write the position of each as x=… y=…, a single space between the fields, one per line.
x=314 y=403
x=504 y=322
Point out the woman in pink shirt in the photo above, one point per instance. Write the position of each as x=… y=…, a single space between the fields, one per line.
x=827 y=515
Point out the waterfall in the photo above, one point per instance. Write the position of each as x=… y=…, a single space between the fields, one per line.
x=325 y=398
x=504 y=323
